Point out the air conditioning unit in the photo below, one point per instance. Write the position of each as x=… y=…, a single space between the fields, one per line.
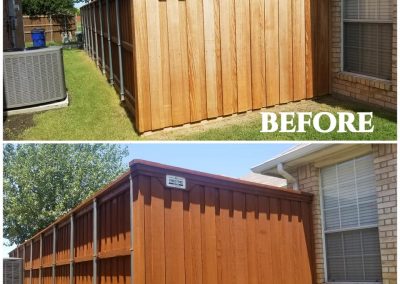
x=33 y=77
x=13 y=271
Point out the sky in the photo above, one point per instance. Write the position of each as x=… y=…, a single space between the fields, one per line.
x=233 y=159
x=78 y=5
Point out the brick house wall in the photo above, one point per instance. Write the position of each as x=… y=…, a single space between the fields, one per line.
x=385 y=158
x=373 y=91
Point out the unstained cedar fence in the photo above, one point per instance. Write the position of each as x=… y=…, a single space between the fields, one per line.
x=139 y=230
x=183 y=61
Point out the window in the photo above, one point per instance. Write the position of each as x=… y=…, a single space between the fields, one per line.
x=367 y=37
x=351 y=221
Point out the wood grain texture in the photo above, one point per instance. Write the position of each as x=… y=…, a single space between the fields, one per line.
x=299 y=53
x=243 y=55
x=158 y=111
x=258 y=53
x=285 y=51
x=197 y=82
x=141 y=79
x=272 y=72
x=195 y=60
x=228 y=56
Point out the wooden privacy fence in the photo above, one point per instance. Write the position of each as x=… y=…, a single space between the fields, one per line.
x=187 y=61
x=199 y=228
x=54 y=26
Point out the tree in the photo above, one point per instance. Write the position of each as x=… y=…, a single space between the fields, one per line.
x=49 y=7
x=44 y=181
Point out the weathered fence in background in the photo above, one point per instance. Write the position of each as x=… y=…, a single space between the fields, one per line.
x=187 y=61
x=209 y=229
x=54 y=26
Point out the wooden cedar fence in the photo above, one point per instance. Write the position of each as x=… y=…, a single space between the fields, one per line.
x=186 y=61
x=54 y=26
x=216 y=230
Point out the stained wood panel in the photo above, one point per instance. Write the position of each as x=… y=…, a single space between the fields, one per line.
x=217 y=230
x=212 y=234
x=187 y=61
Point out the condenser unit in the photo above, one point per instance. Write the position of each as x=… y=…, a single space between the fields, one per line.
x=33 y=77
x=13 y=271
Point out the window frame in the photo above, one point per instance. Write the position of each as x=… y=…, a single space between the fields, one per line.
x=342 y=22
x=323 y=230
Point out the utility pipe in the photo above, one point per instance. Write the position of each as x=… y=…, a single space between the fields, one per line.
x=103 y=61
x=53 y=267
x=121 y=67
x=280 y=169
x=110 y=63
x=95 y=35
x=94 y=279
x=71 y=261
x=131 y=223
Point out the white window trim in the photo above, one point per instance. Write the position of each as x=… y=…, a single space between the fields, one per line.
x=323 y=232
x=342 y=21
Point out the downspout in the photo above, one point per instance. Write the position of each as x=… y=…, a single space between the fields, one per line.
x=280 y=169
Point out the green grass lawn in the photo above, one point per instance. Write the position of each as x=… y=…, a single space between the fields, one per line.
x=248 y=126
x=95 y=113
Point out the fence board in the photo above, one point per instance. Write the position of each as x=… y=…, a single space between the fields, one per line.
x=272 y=67
x=197 y=88
x=285 y=51
x=257 y=22
x=243 y=55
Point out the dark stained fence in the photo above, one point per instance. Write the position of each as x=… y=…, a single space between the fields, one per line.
x=187 y=61
x=216 y=230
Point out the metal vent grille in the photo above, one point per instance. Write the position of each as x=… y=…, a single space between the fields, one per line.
x=12 y=271
x=33 y=77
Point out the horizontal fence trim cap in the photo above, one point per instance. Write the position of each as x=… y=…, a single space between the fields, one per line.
x=139 y=167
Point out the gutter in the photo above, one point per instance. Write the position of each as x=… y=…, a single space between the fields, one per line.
x=280 y=169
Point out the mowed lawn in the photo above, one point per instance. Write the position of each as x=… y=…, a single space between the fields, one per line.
x=96 y=113
x=248 y=126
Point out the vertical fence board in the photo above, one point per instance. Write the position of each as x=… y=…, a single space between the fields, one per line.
x=209 y=237
x=174 y=251
x=257 y=35
x=165 y=65
x=299 y=54
x=142 y=99
x=272 y=76
x=243 y=55
x=155 y=65
x=175 y=61
x=185 y=95
x=197 y=85
x=285 y=51
x=211 y=60
x=228 y=56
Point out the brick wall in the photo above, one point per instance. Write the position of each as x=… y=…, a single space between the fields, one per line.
x=363 y=88
x=308 y=178
x=385 y=159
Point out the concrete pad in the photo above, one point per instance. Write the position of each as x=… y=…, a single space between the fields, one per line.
x=44 y=107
